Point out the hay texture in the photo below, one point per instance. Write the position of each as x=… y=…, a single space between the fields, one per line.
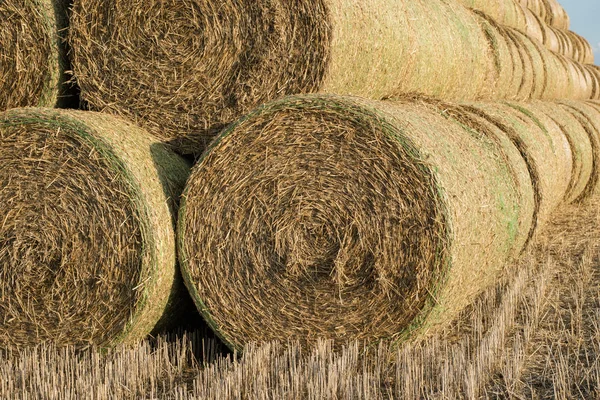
x=86 y=241
x=30 y=60
x=324 y=216
x=189 y=68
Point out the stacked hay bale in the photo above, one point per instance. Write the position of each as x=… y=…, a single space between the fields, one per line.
x=87 y=247
x=30 y=55
x=353 y=219
x=190 y=68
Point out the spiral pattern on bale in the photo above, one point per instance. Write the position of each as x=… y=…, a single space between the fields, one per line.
x=324 y=216
x=29 y=53
x=86 y=240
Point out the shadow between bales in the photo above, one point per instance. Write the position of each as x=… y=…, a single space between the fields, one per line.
x=181 y=319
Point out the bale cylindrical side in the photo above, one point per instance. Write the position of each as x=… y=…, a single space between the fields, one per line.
x=589 y=118
x=507 y=62
x=324 y=216
x=557 y=15
x=30 y=67
x=528 y=77
x=524 y=174
x=553 y=116
x=87 y=247
x=594 y=72
x=534 y=26
x=547 y=151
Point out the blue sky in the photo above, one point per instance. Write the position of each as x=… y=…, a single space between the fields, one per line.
x=585 y=20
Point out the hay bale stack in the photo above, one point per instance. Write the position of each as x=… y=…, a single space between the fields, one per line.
x=544 y=146
x=512 y=14
x=348 y=218
x=559 y=122
x=589 y=118
x=594 y=72
x=525 y=70
x=87 y=241
x=189 y=68
x=30 y=69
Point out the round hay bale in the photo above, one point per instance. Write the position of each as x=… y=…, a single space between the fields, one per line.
x=551 y=40
x=528 y=79
x=534 y=26
x=513 y=153
x=589 y=118
x=546 y=149
x=583 y=51
x=87 y=248
x=30 y=70
x=323 y=216
x=508 y=13
x=579 y=142
x=594 y=72
x=556 y=15
x=536 y=56
x=508 y=65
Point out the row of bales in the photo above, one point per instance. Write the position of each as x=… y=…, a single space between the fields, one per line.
x=544 y=20
x=361 y=170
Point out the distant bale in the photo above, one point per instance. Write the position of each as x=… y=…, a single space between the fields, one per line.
x=86 y=241
x=324 y=216
x=30 y=62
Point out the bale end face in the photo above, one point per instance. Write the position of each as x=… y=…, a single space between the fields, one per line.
x=86 y=243
x=321 y=216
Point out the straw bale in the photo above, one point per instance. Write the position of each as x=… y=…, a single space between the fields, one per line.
x=533 y=26
x=538 y=7
x=87 y=248
x=529 y=80
x=582 y=50
x=508 y=64
x=506 y=12
x=545 y=147
x=346 y=218
x=589 y=118
x=556 y=15
x=579 y=142
x=512 y=151
x=594 y=72
x=30 y=68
